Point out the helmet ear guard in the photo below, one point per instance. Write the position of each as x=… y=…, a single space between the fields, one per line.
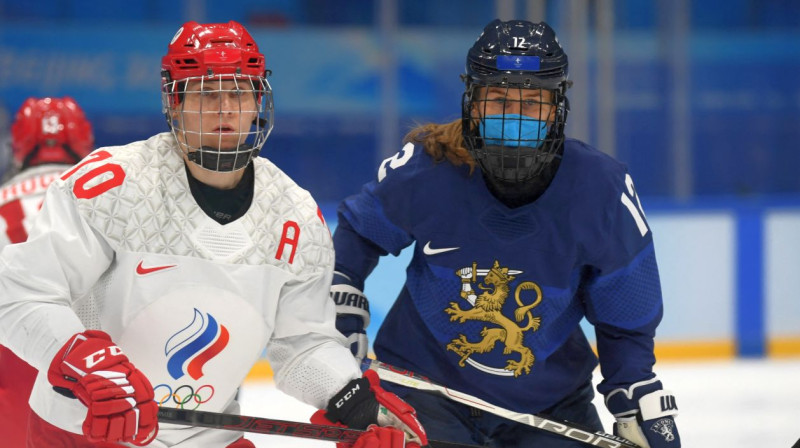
x=169 y=99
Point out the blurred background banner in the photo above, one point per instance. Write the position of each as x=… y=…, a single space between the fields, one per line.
x=702 y=102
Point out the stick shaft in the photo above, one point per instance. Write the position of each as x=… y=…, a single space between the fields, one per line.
x=573 y=431
x=261 y=425
x=258 y=425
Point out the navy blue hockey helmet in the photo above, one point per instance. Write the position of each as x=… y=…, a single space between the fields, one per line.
x=521 y=66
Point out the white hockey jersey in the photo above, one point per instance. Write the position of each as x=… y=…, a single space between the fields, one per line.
x=20 y=200
x=121 y=246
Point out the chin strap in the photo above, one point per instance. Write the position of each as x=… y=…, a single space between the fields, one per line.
x=223 y=161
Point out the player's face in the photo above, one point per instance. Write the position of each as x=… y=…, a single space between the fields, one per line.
x=533 y=103
x=217 y=113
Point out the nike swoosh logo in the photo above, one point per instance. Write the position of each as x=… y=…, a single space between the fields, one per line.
x=427 y=250
x=141 y=270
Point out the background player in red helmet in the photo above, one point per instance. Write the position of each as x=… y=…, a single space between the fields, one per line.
x=47 y=136
x=158 y=272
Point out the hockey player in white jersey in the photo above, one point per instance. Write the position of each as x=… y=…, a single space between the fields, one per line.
x=158 y=272
x=48 y=135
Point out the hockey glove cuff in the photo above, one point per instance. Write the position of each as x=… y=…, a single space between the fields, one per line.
x=119 y=398
x=363 y=402
x=645 y=415
x=375 y=437
x=352 y=317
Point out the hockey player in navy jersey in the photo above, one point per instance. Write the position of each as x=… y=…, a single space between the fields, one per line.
x=158 y=272
x=519 y=233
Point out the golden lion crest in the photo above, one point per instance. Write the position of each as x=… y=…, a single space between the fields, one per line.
x=487 y=307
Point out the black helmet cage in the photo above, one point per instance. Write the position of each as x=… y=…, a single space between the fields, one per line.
x=493 y=62
x=252 y=135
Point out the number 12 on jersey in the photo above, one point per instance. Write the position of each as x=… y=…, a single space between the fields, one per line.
x=628 y=198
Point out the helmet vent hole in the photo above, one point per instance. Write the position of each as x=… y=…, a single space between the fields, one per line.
x=188 y=63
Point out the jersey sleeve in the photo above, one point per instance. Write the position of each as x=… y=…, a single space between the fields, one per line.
x=378 y=220
x=307 y=353
x=622 y=292
x=40 y=278
x=356 y=256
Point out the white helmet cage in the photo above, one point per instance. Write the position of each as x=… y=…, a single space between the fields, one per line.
x=216 y=101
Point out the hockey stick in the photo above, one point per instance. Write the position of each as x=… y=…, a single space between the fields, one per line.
x=569 y=430
x=263 y=425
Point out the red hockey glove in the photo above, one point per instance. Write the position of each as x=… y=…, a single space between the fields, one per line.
x=119 y=398
x=381 y=437
x=241 y=443
x=375 y=437
x=363 y=402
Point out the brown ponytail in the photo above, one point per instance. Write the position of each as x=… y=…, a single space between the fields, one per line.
x=442 y=141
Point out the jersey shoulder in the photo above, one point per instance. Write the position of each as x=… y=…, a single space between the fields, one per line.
x=281 y=195
x=292 y=216
x=125 y=166
x=113 y=180
x=413 y=169
x=605 y=209
x=585 y=158
x=411 y=185
x=592 y=175
x=127 y=193
x=32 y=182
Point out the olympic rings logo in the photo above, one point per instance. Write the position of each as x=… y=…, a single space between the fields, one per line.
x=185 y=395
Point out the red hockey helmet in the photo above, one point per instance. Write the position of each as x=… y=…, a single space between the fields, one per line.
x=50 y=130
x=212 y=49
x=214 y=55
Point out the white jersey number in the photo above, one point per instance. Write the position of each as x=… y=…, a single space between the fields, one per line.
x=628 y=199
x=50 y=125
x=396 y=161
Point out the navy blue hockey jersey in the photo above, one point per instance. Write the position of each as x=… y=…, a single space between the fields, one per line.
x=493 y=296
